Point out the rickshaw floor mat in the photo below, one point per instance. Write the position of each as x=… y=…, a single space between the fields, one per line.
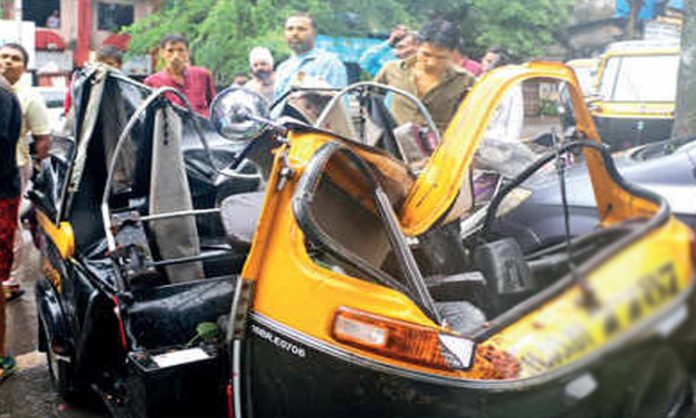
x=167 y=315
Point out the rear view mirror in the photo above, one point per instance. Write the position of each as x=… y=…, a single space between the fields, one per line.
x=238 y=113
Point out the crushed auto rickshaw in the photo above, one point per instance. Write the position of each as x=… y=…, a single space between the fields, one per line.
x=345 y=278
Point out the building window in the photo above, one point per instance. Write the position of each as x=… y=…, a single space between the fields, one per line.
x=113 y=16
x=44 y=13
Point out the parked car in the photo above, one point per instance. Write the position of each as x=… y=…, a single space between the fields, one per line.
x=667 y=168
x=342 y=287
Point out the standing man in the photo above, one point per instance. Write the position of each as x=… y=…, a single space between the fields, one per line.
x=10 y=126
x=262 y=75
x=194 y=82
x=307 y=66
x=106 y=54
x=35 y=121
x=401 y=44
x=431 y=75
x=109 y=55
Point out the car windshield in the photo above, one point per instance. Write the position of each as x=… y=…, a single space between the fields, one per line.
x=649 y=78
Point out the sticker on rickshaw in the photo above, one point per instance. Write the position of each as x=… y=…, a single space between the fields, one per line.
x=279 y=342
x=639 y=301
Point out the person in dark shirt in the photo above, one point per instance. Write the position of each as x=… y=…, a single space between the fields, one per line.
x=195 y=82
x=10 y=126
x=431 y=75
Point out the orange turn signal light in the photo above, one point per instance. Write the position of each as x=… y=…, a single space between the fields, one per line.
x=402 y=340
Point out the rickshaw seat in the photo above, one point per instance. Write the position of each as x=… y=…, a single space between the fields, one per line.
x=166 y=316
x=240 y=216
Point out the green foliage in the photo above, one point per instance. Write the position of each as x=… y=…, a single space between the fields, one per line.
x=522 y=27
x=222 y=32
x=209 y=332
x=548 y=107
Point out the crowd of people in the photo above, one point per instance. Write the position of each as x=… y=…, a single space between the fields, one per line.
x=430 y=64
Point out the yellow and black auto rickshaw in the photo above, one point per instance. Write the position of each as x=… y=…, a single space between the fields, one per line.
x=636 y=90
x=356 y=283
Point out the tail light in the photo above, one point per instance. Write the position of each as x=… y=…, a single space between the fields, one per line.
x=403 y=340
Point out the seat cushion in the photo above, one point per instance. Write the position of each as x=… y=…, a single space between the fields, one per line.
x=240 y=216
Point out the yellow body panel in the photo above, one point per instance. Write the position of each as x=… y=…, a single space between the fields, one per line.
x=633 y=110
x=62 y=236
x=632 y=286
x=442 y=177
x=294 y=290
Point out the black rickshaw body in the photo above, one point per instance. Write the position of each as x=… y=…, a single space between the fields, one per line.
x=99 y=322
x=604 y=387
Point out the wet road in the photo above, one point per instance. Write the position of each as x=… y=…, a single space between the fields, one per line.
x=29 y=394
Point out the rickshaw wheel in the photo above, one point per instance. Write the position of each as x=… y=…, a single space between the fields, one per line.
x=61 y=372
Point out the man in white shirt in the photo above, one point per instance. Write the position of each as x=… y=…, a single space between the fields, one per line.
x=35 y=121
x=307 y=66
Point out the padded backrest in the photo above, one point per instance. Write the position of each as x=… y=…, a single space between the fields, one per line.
x=240 y=216
x=170 y=192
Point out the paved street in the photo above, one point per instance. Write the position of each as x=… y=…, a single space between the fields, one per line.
x=29 y=393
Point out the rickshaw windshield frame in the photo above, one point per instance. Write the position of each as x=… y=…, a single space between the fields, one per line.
x=302 y=199
x=366 y=86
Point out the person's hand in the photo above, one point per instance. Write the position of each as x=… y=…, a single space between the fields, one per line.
x=396 y=35
x=42 y=145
